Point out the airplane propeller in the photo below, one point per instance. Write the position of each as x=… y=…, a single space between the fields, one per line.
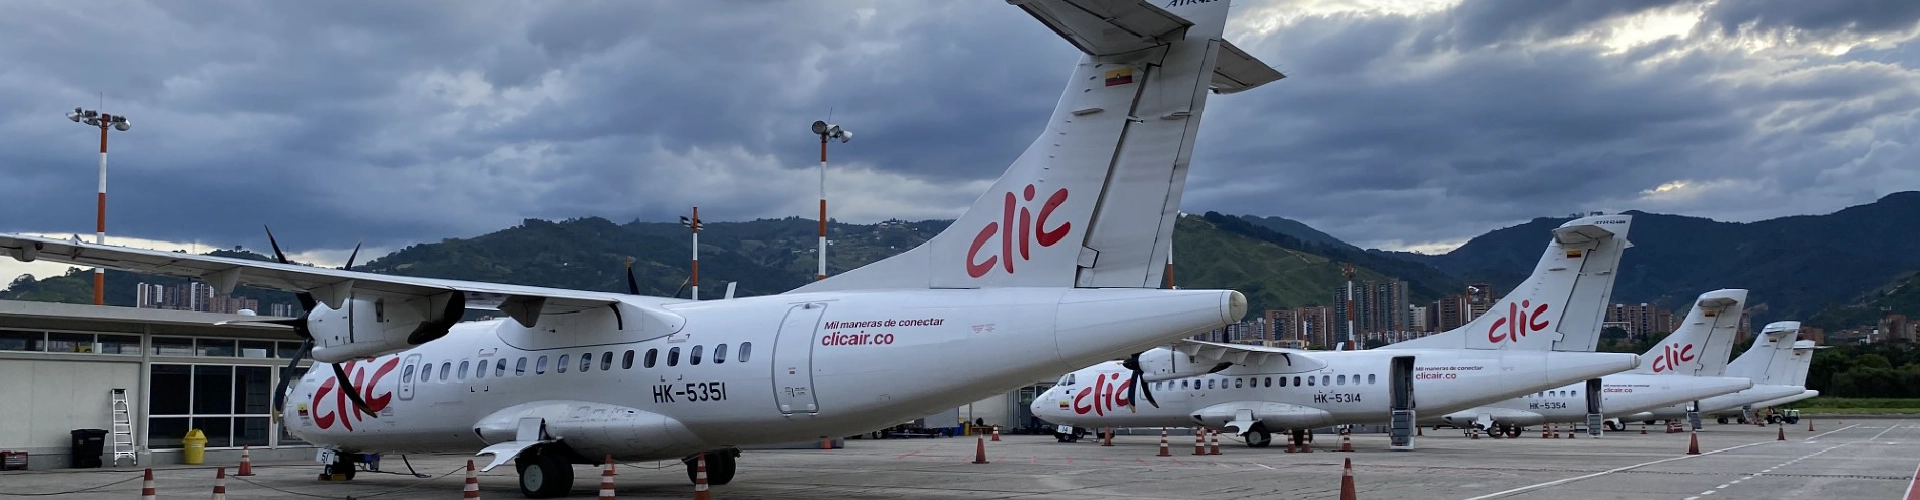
x=633 y=287
x=299 y=324
x=1139 y=383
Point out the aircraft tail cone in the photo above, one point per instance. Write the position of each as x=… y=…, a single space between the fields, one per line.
x=606 y=480
x=220 y=484
x=1693 y=444
x=1346 y=482
x=1163 y=444
x=146 y=486
x=246 y=461
x=700 y=477
x=472 y=489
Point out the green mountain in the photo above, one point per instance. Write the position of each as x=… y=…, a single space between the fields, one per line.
x=1796 y=266
x=1297 y=229
x=770 y=256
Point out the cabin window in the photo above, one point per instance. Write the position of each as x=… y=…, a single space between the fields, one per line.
x=1326 y=380
x=407 y=376
x=426 y=372
x=626 y=361
x=673 y=357
x=1310 y=382
x=719 y=354
x=463 y=369
x=446 y=370
x=586 y=361
x=1183 y=384
x=540 y=366
x=1239 y=383
x=1370 y=379
x=1283 y=381
x=500 y=368
x=520 y=367
x=1269 y=381
x=693 y=358
x=746 y=349
x=652 y=356
x=1209 y=383
x=560 y=365
x=606 y=361
x=480 y=369
x=1342 y=379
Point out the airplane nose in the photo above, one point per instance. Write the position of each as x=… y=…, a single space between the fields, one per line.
x=1095 y=325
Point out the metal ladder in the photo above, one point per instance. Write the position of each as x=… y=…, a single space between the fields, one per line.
x=122 y=429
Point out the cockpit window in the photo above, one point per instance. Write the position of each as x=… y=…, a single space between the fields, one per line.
x=1066 y=379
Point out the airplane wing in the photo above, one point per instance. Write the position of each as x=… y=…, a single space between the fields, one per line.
x=1297 y=359
x=332 y=287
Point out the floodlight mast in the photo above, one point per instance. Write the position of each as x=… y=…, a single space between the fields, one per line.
x=104 y=121
x=826 y=131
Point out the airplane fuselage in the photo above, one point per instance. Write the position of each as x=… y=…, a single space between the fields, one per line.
x=1721 y=403
x=1620 y=394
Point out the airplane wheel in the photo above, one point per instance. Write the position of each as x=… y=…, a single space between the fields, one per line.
x=1721 y=420
x=720 y=467
x=343 y=464
x=543 y=475
x=1258 y=437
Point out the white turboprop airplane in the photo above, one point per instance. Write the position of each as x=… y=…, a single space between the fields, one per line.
x=1051 y=269
x=1684 y=367
x=1769 y=362
x=1803 y=357
x=1537 y=337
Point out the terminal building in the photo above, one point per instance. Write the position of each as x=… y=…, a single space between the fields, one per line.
x=60 y=365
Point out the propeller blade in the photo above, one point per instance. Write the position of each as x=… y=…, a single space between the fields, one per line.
x=683 y=287
x=351 y=392
x=633 y=287
x=1134 y=389
x=351 y=256
x=1148 y=392
x=286 y=377
x=277 y=255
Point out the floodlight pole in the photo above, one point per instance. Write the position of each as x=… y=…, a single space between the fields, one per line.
x=696 y=253
x=826 y=131
x=104 y=121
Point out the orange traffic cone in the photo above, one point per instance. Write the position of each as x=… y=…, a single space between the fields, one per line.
x=1473 y=433
x=1643 y=427
x=146 y=486
x=996 y=433
x=1213 y=438
x=1693 y=443
x=220 y=484
x=1107 y=439
x=1783 y=434
x=1809 y=425
x=1419 y=431
x=1199 y=441
x=1346 y=482
x=606 y=480
x=980 y=450
x=1163 y=444
x=700 y=477
x=246 y=461
x=826 y=443
x=472 y=489
x=1346 y=443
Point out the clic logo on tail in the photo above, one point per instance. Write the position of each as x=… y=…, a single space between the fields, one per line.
x=1671 y=356
x=1031 y=228
x=1105 y=394
x=1521 y=319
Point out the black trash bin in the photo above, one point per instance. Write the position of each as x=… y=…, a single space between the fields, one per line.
x=88 y=446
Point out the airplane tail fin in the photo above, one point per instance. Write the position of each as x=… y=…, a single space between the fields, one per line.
x=1091 y=203
x=1802 y=362
x=1561 y=305
x=1769 y=355
x=1704 y=340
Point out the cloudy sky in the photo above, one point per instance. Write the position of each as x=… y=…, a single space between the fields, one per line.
x=1403 y=124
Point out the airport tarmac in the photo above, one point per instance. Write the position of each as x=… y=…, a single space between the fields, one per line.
x=1851 y=457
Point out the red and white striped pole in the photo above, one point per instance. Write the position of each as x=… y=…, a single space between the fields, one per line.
x=823 y=208
x=696 y=253
x=100 y=216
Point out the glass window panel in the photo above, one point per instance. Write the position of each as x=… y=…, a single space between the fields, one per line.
x=693 y=358
x=1326 y=380
x=119 y=344
x=1342 y=379
x=626 y=361
x=170 y=346
x=1370 y=378
x=256 y=349
x=69 y=342
x=586 y=361
x=653 y=355
x=16 y=340
x=219 y=430
x=446 y=370
x=406 y=376
x=500 y=368
x=480 y=371
x=540 y=365
x=719 y=354
x=286 y=350
x=1239 y=383
x=172 y=386
x=673 y=357
x=163 y=433
x=606 y=361
x=463 y=368
x=746 y=350
x=212 y=391
x=520 y=367
x=251 y=431
x=560 y=365
x=215 y=347
x=426 y=373
x=253 y=390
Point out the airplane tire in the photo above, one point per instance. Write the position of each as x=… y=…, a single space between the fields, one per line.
x=543 y=475
x=1721 y=420
x=720 y=467
x=343 y=464
x=1258 y=437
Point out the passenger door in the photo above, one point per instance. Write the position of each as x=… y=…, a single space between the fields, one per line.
x=793 y=359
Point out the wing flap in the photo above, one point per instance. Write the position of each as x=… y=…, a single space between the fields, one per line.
x=1107 y=27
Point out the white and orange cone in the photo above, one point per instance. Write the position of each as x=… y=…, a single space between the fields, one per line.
x=606 y=480
x=1199 y=441
x=246 y=462
x=220 y=484
x=996 y=433
x=979 y=450
x=700 y=477
x=1213 y=442
x=1163 y=444
x=146 y=486
x=1347 y=489
x=472 y=489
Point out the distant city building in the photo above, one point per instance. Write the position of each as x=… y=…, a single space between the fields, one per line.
x=191 y=296
x=1417 y=318
x=1640 y=320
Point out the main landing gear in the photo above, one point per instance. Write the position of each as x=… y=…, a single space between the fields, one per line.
x=720 y=466
x=1259 y=437
x=544 y=473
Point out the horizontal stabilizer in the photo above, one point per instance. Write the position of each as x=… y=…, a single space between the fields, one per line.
x=1107 y=27
x=1237 y=71
x=1580 y=234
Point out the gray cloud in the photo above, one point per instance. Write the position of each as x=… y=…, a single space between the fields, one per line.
x=413 y=121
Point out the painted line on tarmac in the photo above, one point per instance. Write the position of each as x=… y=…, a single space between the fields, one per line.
x=1818 y=436
x=1912 y=494
x=1528 y=488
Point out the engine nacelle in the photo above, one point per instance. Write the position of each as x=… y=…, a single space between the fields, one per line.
x=1498 y=415
x=1240 y=415
x=591 y=429
x=1167 y=364
x=366 y=327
